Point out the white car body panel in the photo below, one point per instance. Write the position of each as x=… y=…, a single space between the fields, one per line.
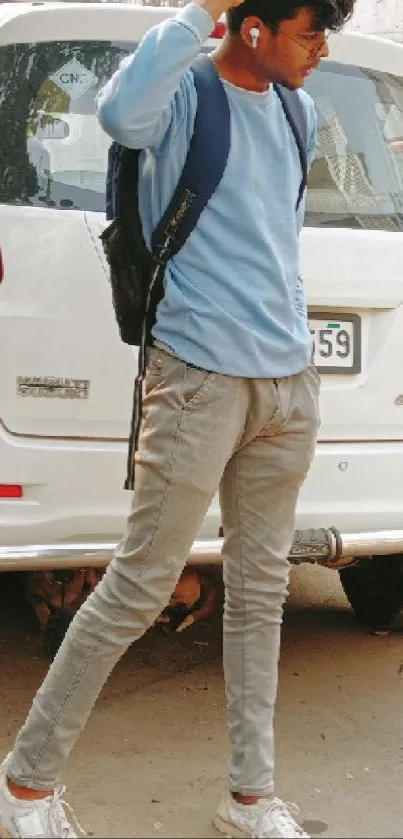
x=57 y=322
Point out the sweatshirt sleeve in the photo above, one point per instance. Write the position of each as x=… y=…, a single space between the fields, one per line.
x=146 y=98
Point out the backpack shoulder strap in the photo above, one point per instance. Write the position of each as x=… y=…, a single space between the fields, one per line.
x=295 y=114
x=205 y=162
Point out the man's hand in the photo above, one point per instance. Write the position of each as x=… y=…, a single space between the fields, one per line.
x=216 y=8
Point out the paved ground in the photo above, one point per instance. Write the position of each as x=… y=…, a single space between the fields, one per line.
x=153 y=757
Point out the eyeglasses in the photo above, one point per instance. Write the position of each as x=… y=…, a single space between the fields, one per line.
x=312 y=51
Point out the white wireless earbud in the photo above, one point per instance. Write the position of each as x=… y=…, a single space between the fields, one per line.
x=254 y=33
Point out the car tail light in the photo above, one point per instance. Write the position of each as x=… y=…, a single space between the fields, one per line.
x=11 y=491
x=218 y=31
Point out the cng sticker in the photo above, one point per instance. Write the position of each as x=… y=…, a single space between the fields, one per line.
x=74 y=79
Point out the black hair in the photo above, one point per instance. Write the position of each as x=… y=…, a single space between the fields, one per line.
x=326 y=14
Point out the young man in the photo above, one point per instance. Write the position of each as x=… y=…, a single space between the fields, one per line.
x=232 y=400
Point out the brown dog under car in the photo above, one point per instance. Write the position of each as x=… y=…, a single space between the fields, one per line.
x=57 y=595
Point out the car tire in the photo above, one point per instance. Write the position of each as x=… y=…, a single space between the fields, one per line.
x=374 y=589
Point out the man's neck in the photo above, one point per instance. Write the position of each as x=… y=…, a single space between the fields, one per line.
x=234 y=65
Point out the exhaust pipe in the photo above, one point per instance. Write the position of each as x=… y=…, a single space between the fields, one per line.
x=321 y=546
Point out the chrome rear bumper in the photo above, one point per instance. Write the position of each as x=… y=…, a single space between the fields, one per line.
x=324 y=547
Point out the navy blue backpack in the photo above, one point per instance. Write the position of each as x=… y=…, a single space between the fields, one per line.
x=137 y=274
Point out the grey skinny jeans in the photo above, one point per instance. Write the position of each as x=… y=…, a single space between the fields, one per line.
x=252 y=438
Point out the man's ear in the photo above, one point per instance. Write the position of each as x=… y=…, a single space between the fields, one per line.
x=252 y=31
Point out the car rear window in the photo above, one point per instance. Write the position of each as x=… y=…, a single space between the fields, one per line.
x=357 y=175
x=53 y=152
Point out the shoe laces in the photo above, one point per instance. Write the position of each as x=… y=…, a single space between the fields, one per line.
x=59 y=824
x=279 y=814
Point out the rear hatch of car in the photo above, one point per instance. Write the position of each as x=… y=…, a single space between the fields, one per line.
x=63 y=369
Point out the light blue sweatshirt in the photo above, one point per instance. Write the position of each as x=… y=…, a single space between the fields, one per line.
x=234 y=301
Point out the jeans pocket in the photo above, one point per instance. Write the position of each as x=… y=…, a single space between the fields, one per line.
x=197 y=384
x=315 y=375
x=314 y=383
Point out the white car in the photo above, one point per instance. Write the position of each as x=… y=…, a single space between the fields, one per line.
x=66 y=380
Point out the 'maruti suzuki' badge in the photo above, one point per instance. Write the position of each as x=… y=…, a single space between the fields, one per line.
x=51 y=387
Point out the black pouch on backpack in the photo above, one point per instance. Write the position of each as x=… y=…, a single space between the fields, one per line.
x=135 y=276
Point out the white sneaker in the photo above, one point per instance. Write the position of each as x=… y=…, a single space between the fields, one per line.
x=44 y=818
x=268 y=819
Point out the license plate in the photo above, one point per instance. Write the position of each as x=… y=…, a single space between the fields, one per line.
x=337 y=342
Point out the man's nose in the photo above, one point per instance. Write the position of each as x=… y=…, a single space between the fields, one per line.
x=324 y=50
